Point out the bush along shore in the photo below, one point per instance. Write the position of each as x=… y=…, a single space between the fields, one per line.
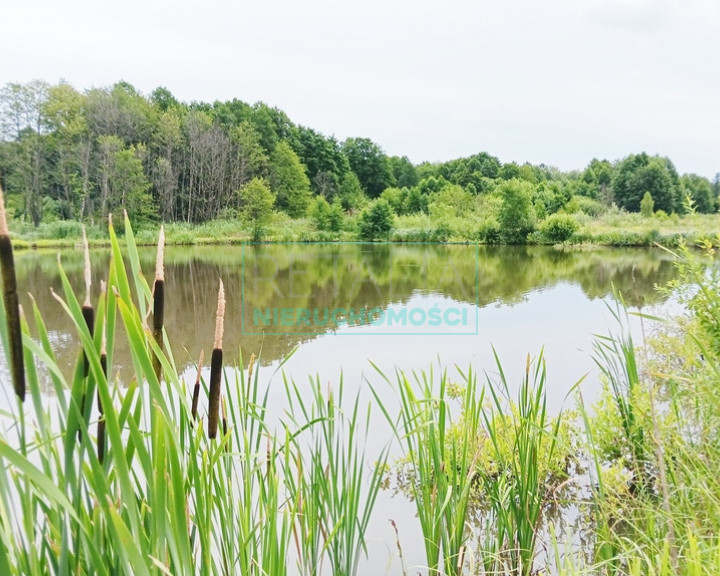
x=618 y=228
x=152 y=476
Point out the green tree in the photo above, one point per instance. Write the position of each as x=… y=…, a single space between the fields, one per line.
x=403 y=171
x=256 y=201
x=646 y=205
x=376 y=221
x=326 y=216
x=395 y=197
x=370 y=164
x=451 y=200
x=288 y=181
x=22 y=119
x=597 y=181
x=250 y=158
x=350 y=193
x=71 y=147
x=640 y=173
x=129 y=188
x=516 y=216
x=415 y=202
x=700 y=190
x=326 y=164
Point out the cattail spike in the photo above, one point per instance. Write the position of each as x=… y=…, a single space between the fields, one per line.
x=224 y=420
x=160 y=258
x=101 y=439
x=216 y=366
x=159 y=301
x=12 y=311
x=219 y=318
x=215 y=384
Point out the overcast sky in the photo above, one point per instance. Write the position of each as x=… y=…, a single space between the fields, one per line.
x=558 y=82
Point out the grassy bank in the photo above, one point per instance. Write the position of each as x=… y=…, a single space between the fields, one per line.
x=160 y=476
x=613 y=228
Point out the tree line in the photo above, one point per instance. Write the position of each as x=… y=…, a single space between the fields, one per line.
x=67 y=154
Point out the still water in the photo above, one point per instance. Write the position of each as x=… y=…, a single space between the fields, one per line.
x=341 y=307
x=398 y=305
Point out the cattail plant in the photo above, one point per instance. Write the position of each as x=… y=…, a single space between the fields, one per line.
x=196 y=389
x=88 y=313
x=10 y=299
x=159 y=300
x=103 y=364
x=216 y=366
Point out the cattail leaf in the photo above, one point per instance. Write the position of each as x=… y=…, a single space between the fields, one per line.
x=142 y=289
x=127 y=548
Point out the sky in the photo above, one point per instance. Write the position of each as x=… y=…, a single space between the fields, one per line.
x=557 y=82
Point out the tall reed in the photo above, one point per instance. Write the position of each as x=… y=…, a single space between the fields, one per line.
x=521 y=487
x=443 y=463
x=328 y=481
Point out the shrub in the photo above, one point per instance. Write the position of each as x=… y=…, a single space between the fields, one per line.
x=585 y=205
x=516 y=216
x=646 y=205
x=558 y=227
x=376 y=221
x=489 y=232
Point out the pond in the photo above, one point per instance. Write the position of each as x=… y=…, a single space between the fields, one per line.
x=348 y=308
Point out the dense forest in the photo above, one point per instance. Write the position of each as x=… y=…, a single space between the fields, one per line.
x=72 y=155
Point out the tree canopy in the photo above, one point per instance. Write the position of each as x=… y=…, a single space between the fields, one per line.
x=70 y=154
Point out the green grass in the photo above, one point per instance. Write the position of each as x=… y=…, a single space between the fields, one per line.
x=612 y=228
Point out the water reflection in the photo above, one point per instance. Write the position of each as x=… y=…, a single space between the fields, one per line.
x=347 y=276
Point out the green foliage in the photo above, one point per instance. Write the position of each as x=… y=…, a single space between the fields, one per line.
x=326 y=216
x=350 y=193
x=325 y=162
x=688 y=204
x=516 y=215
x=451 y=200
x=520 y=487
x=640 y=173
x=288 y=181
x=646 y=205
x=376 y=221
x=396 y=198
x=443 y=460
x=489 y=232
x=585 y=205
x=370 y=164
x=415 y=202
x=403 y=172
x=700 y=190
x=256 y=201
x=558 y=227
